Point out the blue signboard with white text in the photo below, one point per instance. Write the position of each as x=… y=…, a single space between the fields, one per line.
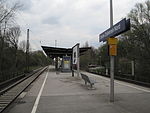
x=115 y=30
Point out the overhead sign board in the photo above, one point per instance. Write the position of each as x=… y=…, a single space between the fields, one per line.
x=118 y=28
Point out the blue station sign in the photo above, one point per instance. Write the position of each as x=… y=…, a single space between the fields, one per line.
x=118 y=28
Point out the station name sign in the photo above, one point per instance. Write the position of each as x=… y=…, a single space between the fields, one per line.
x=118 y=28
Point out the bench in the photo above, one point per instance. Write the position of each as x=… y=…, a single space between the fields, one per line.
x=87 y=79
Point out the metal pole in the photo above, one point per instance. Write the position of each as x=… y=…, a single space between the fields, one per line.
x=132 y=65
x=27 y=51
x=111 y=13
x=111 y=59
x=112 y=79
x=78 y=62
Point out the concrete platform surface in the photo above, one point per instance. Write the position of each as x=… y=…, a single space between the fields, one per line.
x=63 y=93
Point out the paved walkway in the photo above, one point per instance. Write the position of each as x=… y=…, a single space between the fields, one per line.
x=65 y=94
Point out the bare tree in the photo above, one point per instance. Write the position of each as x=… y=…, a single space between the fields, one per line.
x=12 y=38
x=6 y=16
x=8 y=13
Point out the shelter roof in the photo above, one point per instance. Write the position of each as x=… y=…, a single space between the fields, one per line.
x=53 y=52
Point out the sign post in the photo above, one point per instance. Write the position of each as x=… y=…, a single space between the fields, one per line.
x=112 y=59
x=112 y=42
x=114 y=30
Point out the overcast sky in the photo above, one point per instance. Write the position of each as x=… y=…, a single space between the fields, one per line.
x=68 y=21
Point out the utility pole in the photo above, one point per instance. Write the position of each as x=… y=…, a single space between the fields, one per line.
x=112 y=58
x=27 y=52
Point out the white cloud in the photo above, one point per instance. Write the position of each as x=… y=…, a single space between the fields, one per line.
x=69 y=21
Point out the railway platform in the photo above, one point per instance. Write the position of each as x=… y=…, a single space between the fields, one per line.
x=57 y=92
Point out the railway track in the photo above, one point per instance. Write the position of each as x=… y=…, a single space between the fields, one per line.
x=10 y=93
